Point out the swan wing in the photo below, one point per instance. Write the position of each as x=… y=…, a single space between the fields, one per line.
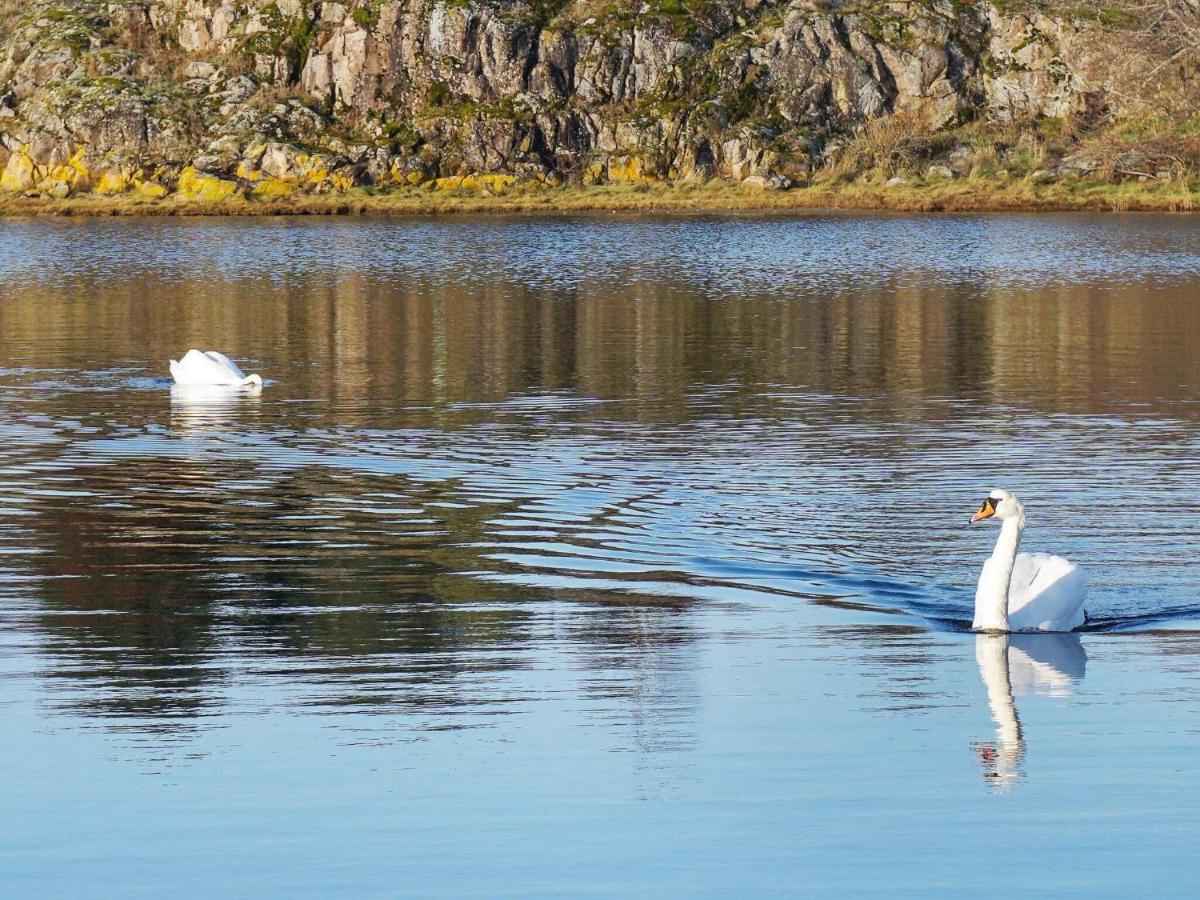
x=1046 y=594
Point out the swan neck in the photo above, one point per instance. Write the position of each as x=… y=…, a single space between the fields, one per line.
x=1008 y=541
x=991 y=605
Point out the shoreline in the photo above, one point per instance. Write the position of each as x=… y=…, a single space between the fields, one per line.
x=967 y=195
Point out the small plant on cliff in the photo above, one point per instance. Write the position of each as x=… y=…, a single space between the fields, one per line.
x=366 y=15
x=300 y=40
x=438 y=95
x=402 y=137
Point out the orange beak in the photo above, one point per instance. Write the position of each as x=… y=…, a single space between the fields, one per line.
x=986 y=510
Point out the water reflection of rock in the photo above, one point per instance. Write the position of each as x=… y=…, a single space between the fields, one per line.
x=163 y=577
x=1021 y=665
x=179 y=577
x=357 y=338
x=125 y=607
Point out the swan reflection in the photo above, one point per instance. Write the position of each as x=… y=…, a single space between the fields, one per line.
x=198 y=407
x=1018 y=665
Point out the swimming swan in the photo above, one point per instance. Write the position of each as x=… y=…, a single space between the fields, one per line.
x=1024 y=591
x=209 y=368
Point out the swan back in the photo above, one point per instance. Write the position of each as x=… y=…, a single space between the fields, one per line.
x=225 y=362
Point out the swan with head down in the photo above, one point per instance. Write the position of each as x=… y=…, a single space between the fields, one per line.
x=1024 y=591
x=211 y=368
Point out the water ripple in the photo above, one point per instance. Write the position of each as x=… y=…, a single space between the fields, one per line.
x=453 y=466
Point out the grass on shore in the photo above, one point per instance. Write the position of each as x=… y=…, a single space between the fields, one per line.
x=969 y=194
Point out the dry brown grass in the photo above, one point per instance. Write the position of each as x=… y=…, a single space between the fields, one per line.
x=972 y=194
x=894 y=145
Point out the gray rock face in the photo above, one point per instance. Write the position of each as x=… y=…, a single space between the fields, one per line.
x=1037 y=63
x=409 y=91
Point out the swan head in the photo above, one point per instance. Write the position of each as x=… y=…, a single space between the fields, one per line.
x=1000 y=504
x=254 y=380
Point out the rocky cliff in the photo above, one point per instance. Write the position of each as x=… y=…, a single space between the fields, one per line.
x=206 y=99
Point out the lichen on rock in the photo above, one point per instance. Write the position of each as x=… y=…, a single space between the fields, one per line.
x=196 y=185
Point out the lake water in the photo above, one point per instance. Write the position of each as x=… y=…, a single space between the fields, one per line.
x=597 y=555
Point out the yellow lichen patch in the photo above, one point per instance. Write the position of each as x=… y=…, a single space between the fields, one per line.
x=626 y=170
x=197 y=185
x=112 y=181
x=495 y=182
x=271 y=188
x=247 y=172
x=20 y=174
x=150 y=189
x=341 y=181
x=398 y=174
x=314 y=167
x=77 y=167
x=61 y=180
x=486 y=182
x=594 y=173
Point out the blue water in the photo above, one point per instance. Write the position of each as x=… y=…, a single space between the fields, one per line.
x=600 y=556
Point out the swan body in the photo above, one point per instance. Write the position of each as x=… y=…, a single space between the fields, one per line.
x=1046 y=592
x=1024 y=591
x=211 y=368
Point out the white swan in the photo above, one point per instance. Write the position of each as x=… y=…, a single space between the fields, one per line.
x=1024 y=591
x=211 y=368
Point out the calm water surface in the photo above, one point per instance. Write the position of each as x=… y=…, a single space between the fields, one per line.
x=595 y=555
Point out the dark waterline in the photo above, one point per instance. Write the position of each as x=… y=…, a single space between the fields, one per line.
x=599 y=554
